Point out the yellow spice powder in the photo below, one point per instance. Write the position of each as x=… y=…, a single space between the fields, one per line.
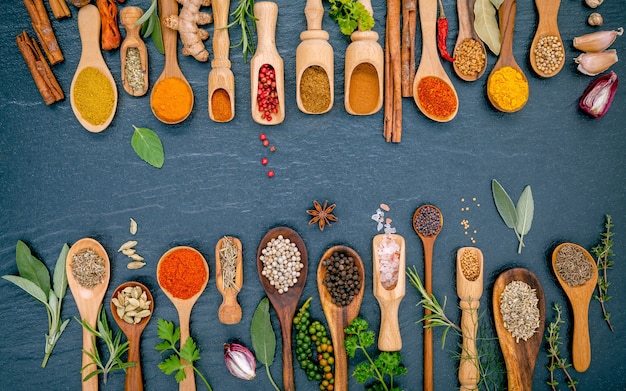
x=94 y=97
x=508 y=88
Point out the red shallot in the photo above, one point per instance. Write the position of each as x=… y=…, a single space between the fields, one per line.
x=598 y=96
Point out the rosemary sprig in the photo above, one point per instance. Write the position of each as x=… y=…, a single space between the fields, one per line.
x=603 y=252
x=556 y=361
x=243 y=16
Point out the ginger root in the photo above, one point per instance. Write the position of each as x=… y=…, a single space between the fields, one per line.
x=186 y=22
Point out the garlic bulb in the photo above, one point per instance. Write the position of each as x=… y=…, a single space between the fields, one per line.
x=595 y=19
x=593 y=3
x=598 y=41
x=595 y=63
x=240 y=361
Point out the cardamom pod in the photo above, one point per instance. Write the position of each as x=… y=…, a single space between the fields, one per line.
x=128 y=245
x=135 y=265
x=133 y=226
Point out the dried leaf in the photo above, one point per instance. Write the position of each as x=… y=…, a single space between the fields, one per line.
x=497 y=3
x=486 y=25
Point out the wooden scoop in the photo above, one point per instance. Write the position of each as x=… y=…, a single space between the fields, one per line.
x=88 y=300
x=284 y=304
x=430 y=64
x=91 y=57
x=506 y=16
x=171 y=68
x=469 y=292
x=184 y=307
x=389 y=339
x=579 y=297
x=465 y=10
x=364 y=52
x=134 y=378
x=230 y=310
x=519 y=357
x=128 y=17
x=339 y=317
x=221 y=78
x=266 y=13
x=314 y=50
x=548 y=26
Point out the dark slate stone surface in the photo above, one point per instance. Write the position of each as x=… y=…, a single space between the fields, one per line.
x=60 y=183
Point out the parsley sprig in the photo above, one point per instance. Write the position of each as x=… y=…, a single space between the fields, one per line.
x=350 y=15
x=603 y=252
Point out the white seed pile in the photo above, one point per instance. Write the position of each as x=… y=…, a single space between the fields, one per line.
x=132 y=304
x=520 y=313
x=281 y=263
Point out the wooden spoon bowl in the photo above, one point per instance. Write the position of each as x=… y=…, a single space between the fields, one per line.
x=548 y=26
x=229 y=311
x=465 y=10
x=579 y=298
x=134 y=377
x=128 y=17
x=284 y=304
x=519 y=357
x=221 y=77
x=88 y=301
x=339 y=317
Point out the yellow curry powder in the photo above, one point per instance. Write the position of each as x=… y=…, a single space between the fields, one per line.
x=94 y=97
x=171 y=99
x=508 y=88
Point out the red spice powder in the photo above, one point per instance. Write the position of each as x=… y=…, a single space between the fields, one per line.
x=182 y=273
x=436 y=97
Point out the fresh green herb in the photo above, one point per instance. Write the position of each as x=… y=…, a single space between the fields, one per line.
x=520 y=217
x=34 y=278
x=603 y=252
x=387 y=364
x=148 y=146
x=114 y=345
x=556 y=361
x=350 y=15
x=243 y=16
x=263 y=337
x=490 y=362
x=180 y=359
x=153 y=26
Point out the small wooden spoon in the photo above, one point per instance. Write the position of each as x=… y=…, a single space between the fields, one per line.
x=91 y=57
x=266 y=13
x=230 y=310
x=506 y=15
x=171 y=68
x=134 y=378
x=284 y=304
x=469 y=292
x=579 y=297
x=548 y=26
x=128 y=17
x=88 y=301
x=519 y=357
x=389 y=338
x=184 y=306
x=221 y=76
x=430 y=64
x=465 y=10
x=339 y=317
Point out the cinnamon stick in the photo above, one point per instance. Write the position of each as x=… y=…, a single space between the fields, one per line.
x=43 y=29
x=388 y=91
x=393 y=21
x=409 y=23
x=47 y=84
x=59 y=8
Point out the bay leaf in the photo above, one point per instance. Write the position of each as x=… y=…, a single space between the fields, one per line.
x=148 y=146
x=525 y=210
x=504 y=204
x=262 y=333
x=497 y=3
x=486 y=25
x=31 y=268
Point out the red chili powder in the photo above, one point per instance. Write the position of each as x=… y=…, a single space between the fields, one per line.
x=436 y=97
x=182 y=273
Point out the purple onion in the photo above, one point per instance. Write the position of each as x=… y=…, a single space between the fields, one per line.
x=240 y=361
x=598 y=96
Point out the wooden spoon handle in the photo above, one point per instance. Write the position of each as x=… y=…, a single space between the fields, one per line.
x=428 y=23
x=506 y=15
x=581 y=345
x=465 y=11
x=389 y=339
x=189 y=383
x=468 y=366
x=314 y=12
x=267 y=14
x=89 y=23
x=170 y=37
x=134 y=378
x=339 y=350
x=221 y=39
x=89 y=346
x=428 y=334
x=288 y=377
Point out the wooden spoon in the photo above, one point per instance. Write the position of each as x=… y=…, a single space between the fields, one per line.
x=134 y=378
x=579 y=297
x=519 y=357
x=469 y=292
x=389 y=339
x=506 y=16
x=221 y=76
x=184 y=306
x=428 y=242
x=465 y=10
x=548 y=26
x=88 y=301
x=230 y=310
x=171 y=68
x=314 y=50
x=91 y=57
x=339 y=317
x=128 y=17
x=266 y=13
x=284 y=304
x=430 y=64
x=364 y=51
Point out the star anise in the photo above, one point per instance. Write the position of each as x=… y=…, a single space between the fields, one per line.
x=322 y=214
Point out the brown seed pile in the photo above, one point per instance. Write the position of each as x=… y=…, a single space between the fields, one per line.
x=342 y=280
x=470 y=265
x=469 y=57
x=520 y=313
x=88 y=268
x=549 y=54
x=572 y=266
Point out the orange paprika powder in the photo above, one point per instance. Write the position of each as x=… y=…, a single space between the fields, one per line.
x=182 y=273
x=436 y=97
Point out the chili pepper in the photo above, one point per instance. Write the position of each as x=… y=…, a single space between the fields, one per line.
x=442 y=34
x=111 y=37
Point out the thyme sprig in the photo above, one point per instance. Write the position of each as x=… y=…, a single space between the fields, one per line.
x=243 y=16
x=603 y=252
x=553 y=339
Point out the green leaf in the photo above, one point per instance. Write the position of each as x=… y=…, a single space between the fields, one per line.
x=60 y=276
x=30 y=287
x=525 y=210
x=170 y=365
x=350 y=15
x=363 y=372
x=148 y=147
x=157 y=35
x=486 y=25
x=149 y=12
x=32 y=268
x=262 y=333
x=350 y=343
x=504 y=204
x=190 y=352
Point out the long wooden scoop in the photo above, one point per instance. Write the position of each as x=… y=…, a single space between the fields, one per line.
x=221 y=78
x=128 y=17
x=548 y=26
x=229 y=311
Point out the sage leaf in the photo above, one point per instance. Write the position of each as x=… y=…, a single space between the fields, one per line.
x=262 y=333
x=504 y=204
x=30 y=287
x=32 y=268
x=157 y=34
x=486 y=25
x=59 y=277
x=525 y=211
x=148 y=146
x=147 y=14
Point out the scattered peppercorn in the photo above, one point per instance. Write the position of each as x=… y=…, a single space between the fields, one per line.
x=270 y=173
x=272 y=149
x=342 y=280
x=262 y=136
x=266 y=143
x=264 y=161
